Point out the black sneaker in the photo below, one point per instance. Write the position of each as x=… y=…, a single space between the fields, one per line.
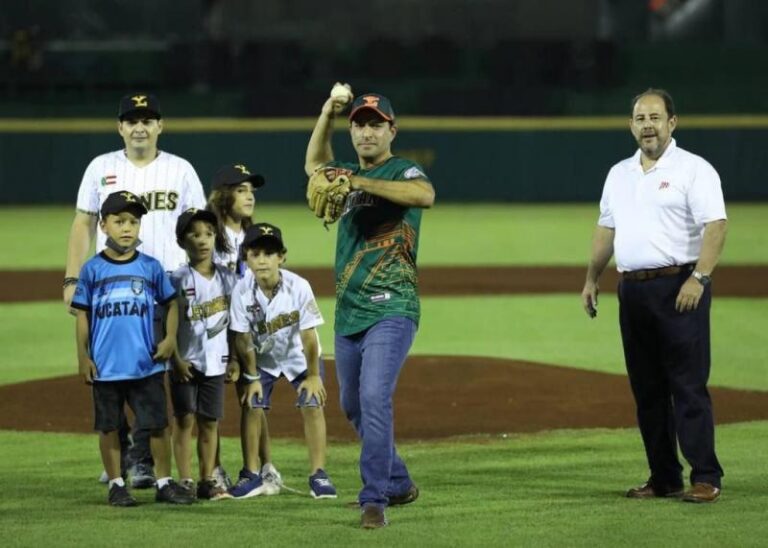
x=119 y=496
x=173 y=493
x=210 y=489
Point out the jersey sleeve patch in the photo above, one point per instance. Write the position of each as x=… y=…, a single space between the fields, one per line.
x=414 y=173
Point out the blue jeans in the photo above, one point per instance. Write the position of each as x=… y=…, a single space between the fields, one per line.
x=367 y=367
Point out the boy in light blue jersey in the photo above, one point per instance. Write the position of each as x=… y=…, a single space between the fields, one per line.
x=116 y=351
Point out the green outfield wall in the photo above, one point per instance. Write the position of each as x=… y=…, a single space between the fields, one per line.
x=483 y=159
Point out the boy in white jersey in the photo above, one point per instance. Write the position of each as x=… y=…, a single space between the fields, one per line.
x=199 y=367
x=166 y=185
x=116 y=348
x=274 y=316
x=232 y=200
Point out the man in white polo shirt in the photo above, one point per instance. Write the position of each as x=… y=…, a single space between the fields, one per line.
x=662 y=213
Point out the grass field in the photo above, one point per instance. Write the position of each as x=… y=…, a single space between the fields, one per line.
x=452 y=234
x=552 y=489
x=548 y=489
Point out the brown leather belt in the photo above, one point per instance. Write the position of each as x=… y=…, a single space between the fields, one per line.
x=640 y=275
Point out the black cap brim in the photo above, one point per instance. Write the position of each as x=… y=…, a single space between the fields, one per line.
x=141 y=113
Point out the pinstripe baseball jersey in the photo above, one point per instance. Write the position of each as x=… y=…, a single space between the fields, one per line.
x=204 y=317
x=120 y=298
x=168 y=186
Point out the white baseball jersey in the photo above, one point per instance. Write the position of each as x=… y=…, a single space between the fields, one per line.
x=659 y=215
x=204 y=317
x=276 y=325
x=168 y=186
x=230 y=259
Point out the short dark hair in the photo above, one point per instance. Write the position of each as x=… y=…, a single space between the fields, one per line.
x=669 y=104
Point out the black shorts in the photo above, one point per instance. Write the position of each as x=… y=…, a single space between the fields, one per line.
x=145 y=397
x=203 y=396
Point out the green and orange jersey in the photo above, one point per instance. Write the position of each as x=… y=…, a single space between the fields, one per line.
x=376 y=249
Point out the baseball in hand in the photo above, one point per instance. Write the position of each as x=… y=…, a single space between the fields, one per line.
x=341 y=93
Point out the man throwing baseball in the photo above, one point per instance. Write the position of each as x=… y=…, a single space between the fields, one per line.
x=378 y=202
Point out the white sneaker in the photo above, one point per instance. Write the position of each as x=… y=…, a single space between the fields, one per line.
x=272 y=479
x=221 y=478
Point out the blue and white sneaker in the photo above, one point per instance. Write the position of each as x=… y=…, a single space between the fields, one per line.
x=248 y=485
x=320 y=486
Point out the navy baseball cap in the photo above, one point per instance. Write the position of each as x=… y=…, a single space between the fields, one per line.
x=120 y=201
x=376 y=102
x=235 y=174
x=139 y=105
x=261 y=232
x=193 y=214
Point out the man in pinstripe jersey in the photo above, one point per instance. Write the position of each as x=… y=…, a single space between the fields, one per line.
x=167 y=185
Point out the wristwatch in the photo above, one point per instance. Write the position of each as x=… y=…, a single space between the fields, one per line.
x=703 y=279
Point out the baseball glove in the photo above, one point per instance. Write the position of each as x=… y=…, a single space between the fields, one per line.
x=327 y=192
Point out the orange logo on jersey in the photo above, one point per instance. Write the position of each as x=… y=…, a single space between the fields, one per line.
x=243 y=169
x=139 y=100
x=371 y=101
x=128 y=196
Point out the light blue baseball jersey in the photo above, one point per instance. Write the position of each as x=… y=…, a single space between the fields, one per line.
x=120 y=297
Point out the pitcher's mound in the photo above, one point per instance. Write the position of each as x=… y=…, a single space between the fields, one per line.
x=437 y=397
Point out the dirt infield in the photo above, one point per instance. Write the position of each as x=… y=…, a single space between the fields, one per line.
x=439 y=396
x=733 y=281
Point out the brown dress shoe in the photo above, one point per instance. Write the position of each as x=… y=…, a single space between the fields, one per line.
x=406 y=498
x=702 y=492
x=372 y=517
x=649 y=491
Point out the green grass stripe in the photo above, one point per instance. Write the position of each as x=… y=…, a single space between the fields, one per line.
x=561 y=488
x=451 y=234
x=411 y=123
x=39 y=337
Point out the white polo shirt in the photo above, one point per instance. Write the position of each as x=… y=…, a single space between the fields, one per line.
x=204 y=317
x=276 y=325
x=168 y=186
x=659 y=215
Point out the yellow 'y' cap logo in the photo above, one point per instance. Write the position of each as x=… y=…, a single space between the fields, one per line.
x=139 y=101
x=266 y=230
x=243 y=169
x=128 y=196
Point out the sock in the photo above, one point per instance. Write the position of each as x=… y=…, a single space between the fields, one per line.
x=267 y=468
x=162 y=482
x=117 y=481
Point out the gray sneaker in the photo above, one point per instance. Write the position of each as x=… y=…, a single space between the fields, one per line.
x=142 y=476
x=272 y=479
